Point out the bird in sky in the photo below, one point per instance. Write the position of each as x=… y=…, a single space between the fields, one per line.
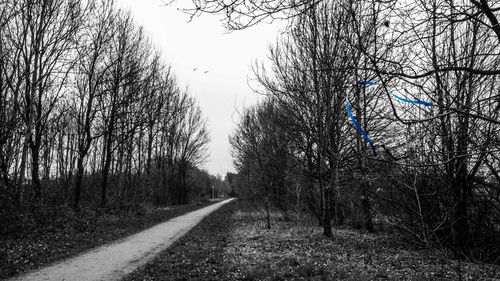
x=206 y=71
x=195 y=69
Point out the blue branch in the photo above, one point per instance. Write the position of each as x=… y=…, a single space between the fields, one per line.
x=365 y=83
x=359 y=128
x=413 y=101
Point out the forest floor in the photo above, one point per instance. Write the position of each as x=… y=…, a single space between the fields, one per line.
x=234 y=244
x=69 y=234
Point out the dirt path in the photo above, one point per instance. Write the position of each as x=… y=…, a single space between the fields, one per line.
x=115 y=260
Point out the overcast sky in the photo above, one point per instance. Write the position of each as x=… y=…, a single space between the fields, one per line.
x=205 y=44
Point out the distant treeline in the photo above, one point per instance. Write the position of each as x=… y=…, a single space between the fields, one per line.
x=436 y=176
x=89 y=112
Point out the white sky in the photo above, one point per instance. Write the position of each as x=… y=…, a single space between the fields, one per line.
x=205 y=44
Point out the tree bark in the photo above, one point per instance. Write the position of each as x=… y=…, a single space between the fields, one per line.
x=78 y=184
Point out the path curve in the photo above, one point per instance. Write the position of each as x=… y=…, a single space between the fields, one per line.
x=114 y=261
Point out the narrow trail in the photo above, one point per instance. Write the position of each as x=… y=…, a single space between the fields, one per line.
x=116 y=260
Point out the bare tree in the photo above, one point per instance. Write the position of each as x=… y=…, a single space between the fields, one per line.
x=43 y=34
x=92 y=67
x=128 y=57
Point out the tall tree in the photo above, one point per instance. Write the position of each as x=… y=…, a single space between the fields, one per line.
x=92 y=67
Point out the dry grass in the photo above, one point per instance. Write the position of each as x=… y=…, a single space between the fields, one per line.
x=65 y=234
x=234 y=244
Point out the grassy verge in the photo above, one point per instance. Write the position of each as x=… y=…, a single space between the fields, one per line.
x=233 y=244
x=66 y=234
x=196 y=256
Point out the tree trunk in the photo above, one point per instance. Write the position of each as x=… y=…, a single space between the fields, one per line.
x=327 y=225
x=35 y=172
x=104 y=183
x=461 y=225
x=367 y=217
x=22 y=172
x=268 y=213
x=78 y=184
x=105 y=171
